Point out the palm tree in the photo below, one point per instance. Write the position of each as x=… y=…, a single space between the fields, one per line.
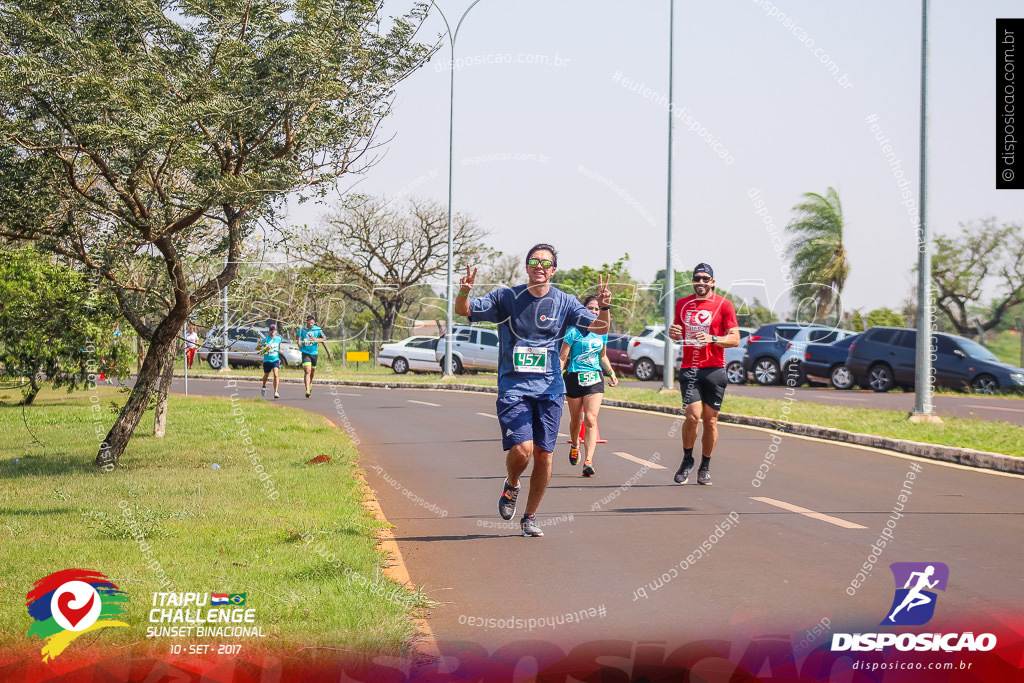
x=819 y=259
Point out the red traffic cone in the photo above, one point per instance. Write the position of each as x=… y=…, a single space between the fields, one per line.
x=583 y=430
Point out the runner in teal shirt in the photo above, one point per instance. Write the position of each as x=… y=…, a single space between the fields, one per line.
x=271 y=345
x=309 y=336
x=585 y=359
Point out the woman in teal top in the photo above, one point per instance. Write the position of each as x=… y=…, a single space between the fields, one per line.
x=585 y=359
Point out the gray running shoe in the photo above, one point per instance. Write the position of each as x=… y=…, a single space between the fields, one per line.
x=507 y=502
x=683 y=475
x=530 y=528
x=704 y=477
x=263 y=392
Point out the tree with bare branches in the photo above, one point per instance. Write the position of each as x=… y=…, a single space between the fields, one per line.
x=983 y=258
x=379 y=251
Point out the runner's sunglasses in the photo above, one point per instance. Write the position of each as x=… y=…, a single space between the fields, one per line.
x=701 y=278
x=533 y=263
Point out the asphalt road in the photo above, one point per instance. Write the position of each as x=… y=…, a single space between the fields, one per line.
x=622 y=551
x=968 y=405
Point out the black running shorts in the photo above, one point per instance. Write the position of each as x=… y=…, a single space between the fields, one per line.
x=706 y=385
x=573 y=388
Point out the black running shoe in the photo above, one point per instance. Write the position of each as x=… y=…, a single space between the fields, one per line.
x=507 y=502
x=588 y=471
x=574 y=456
x=530 y=528
x=683 y=475
x=704 y=477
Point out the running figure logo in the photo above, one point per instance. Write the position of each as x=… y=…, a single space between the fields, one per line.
x=914 y=604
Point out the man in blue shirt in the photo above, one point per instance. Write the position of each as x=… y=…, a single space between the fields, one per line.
x=533 y=319
x=271 y=359
x=309 y=336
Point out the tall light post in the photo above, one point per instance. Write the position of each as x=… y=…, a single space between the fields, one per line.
x=669 y=366
x=449 y=290
x=923 y=372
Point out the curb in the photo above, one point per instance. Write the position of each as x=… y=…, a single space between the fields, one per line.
x=952 y=454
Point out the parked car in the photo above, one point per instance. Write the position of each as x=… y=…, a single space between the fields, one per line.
x=647 y=353
x=244 y=347
x=473 y=348
x=618 y=353
x=884 y=357
x=792 y=360
x=766 y=347
x=412 y=353
x=826 y=363
x=734 y=369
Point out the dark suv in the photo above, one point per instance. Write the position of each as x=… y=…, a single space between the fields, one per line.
x=766 y=346
x=884 y=357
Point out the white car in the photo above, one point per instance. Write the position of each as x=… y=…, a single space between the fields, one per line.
x=412 y=353
x=647 y=353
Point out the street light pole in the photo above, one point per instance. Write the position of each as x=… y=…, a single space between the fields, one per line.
x=669 y=366
x=923 y=373
x=449 y=289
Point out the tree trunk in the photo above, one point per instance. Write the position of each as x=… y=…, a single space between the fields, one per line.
x=33 y=390
x=164 y=339
x=160 y=419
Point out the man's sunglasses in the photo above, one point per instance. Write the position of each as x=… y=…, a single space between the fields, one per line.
x=701 y=278
x=533 y=263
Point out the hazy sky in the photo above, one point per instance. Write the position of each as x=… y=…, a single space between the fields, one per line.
x=561 y=125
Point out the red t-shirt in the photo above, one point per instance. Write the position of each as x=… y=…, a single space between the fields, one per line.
x=714 y=315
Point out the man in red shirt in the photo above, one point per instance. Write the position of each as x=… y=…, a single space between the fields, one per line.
x=706 y=324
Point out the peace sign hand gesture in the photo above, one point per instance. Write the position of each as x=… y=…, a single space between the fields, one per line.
x=466 y=283
x=604 y=295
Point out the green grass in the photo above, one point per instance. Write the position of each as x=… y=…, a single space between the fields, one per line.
x=211 y=530
x=983 y=435
x=1006 y=347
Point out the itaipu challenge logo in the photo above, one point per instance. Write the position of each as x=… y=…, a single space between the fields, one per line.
x=914 y=603
x=71 y=603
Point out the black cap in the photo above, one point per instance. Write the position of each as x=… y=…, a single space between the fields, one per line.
x=704 y=268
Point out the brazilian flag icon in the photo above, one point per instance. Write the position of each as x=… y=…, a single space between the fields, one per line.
x=237 y=599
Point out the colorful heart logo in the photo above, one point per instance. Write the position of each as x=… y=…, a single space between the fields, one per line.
x=76 y=605
x=72 y=614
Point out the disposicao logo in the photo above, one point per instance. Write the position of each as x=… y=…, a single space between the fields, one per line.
x=70 y=603
x=914 y=605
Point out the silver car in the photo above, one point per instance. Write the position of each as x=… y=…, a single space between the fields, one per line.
x=243 y=348
x=473 y=348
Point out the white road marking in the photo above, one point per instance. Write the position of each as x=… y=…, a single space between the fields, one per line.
x=487 y=415
x=1011 y=410
x=339 y=393
x=425 y=403
x=649 y=463
x=809 y=513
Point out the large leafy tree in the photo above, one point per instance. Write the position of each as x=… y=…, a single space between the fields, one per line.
x=54 y=326
x=983 y=257
x=819 y=260
x=136 y=133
